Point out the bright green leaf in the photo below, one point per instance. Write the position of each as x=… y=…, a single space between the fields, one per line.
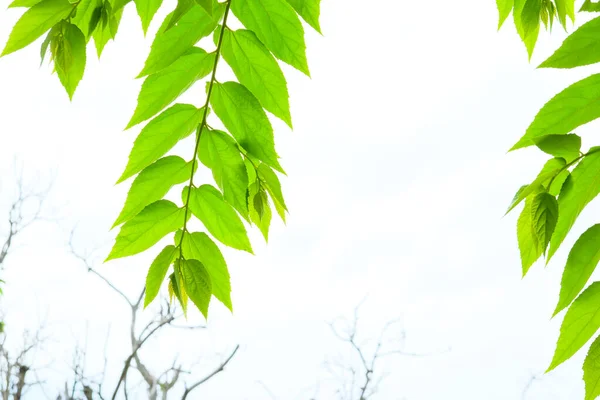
x=580 y=48
x=529 y=247
x=89 y=13
x=273 y=186
x=257 y=70
x=219 y=218
x=199 y=246
x=207 y=5
x=68 y=52
x=504 y=9
x=23 y=3
x=181 y=287
x=591 y=371
x=580 y=324
x=219 y=152
x=160 y=135
x=171 y=44
x=309 y=10
x=565 y=8
x=590 y=6
x=197 y=284
x=35 y=22
x=530 y=38
x=146 y=10
x=565 y=146
x=582 y=261
x=544 y=214
x=260 y=210
x=530 y=17
x=577 y=192
x=147 y=228
x=183 y=6
x=158 y=272
x=162 y=88
x=108 y=26
x=243 y=116
x=152 y=184
x=174 y=289
x=575 y=106
x=277 y=25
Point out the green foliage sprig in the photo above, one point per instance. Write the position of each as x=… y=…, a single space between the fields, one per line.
x=568 y=182
x=243 y=160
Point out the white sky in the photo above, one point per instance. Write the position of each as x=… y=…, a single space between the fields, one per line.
x=398 y=178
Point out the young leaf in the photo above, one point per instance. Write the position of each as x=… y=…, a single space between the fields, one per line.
x=160 y=135
x=529 y=38
x=179 y=278
x=207 y=5
x=529 y=247
x=309 y=10
x=146 y=10
x=277 y=25
x=530 y=17
x=565 y=8
x=565 y=146
x=88 y=16
x=577 y=192
x=589 y=6
x=544 y=214
x=260 y=210
x=244 y=117
x=147 y=228
x=575 y=106
x=580 y=48
x=162 y=88
x=273 y=186
x=23 y=3
x=256 y=69
x=582 y=261
x=199 y=246
x=183 y=6
x=174 y=289
x=219 y=152
x=197 y=284
x=591 y=371
x=158 y=272
x=68 y=52
x=219 y=218
x=109 y=25
x=152 y=184
x=35 y=22
x=169 y=45
x=580 y=324
x=551 y=169
x=559 y=182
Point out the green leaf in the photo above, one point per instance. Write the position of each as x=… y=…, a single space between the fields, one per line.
x=530 y=17
x=89 y=13
x=577 y=192
x=309 y=10
x=581 y=322
x=162 y=88
x=153 y=183
x=147 y=228
x=219 y=152
x=244 y=117
x=108 y=26
x=146 y=10
x=529 y=247
x=35 y=22
x=180 y=279
x=207 y=5
x=46 y=44
x=158 y=272
x=160 y=135
x=591 y=371
x=580 y=48
x=544 y=214
x=504 y=9
x=199 y=246
x=575 y=106
x=260 y=210
x=551 y=169
x=169 y=45
x=183 y=6
x=565 y=8
x=68 y=52
x=23 y=3
x=558 y=182
x=582 y=261
x=530 y=38
x=174 y=289
x=277 y=25
x=565 y=146
x=219 y=218
x=197 y=284
x=273 y=186
x=257 y=70
x=589 y=6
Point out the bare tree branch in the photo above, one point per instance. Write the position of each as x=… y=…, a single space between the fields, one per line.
x=220 y=368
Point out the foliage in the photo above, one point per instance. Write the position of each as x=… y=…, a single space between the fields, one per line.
x=569 y=181
x=242 y=160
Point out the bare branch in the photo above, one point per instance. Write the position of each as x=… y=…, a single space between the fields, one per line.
x=220 y=368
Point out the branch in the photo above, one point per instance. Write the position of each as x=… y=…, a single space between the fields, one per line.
x=220 y=368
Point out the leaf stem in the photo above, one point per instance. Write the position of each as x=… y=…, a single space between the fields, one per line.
x=202 y=125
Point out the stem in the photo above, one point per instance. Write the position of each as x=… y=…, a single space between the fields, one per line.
x=569 y=165
x=202 y=126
